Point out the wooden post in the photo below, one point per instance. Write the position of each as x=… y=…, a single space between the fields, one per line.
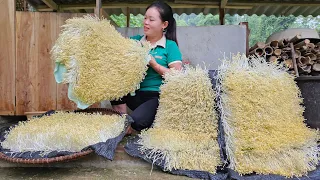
x=294 y=60
x=25 y=8
x=98 y=9
x=247 y=36
x=7 y=56
x=128 y=17
x=221 y=16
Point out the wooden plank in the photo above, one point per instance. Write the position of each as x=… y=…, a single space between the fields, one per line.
x=63 y=103
x=36 y=87
x=6 y=113
x=272 y=3
x=7 y=57
x=107 y=16
x=51 y=4
x=223 y=3
x=63 y=7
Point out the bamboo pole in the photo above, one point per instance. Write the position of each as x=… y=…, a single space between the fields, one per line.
x=277 y=52
x=257 y=45
x=283 y=43
x=302 y=43
x=274 y=44
x=295 y=38
x=268 y=50
x=294 y=60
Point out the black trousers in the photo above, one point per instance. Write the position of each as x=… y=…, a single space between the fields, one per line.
x=144 y=107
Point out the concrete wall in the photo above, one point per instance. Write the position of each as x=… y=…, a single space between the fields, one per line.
x=205 y=45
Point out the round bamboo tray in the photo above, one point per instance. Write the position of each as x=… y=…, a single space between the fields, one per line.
x=63 y=158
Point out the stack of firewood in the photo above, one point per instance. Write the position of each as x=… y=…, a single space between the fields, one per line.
x=305 y=52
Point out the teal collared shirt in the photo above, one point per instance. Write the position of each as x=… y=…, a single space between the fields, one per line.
x=165 y=52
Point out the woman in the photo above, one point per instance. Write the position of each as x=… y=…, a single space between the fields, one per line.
x=160 y=31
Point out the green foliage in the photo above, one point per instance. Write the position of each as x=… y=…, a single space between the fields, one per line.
x=261 y=27
x=121 y=20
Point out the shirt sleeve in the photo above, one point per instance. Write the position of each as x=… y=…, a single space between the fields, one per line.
x=136 y=37
x=174 y=54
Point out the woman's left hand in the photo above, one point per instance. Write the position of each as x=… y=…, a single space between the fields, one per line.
x=153 y=63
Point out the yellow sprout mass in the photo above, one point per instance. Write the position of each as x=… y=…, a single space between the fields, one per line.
x=184 y=134
x=263 y=120
x=101 y=63
x=63 y=131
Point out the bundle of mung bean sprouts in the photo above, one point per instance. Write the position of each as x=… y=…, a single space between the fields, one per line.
x=101 y=64
x=263 y=119
x=184 y=134
x=63 y=131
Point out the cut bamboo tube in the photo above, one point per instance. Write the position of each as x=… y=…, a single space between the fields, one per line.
x=268 y=50
x=284 y=56
x=258 y=45
x=286 y=49
x=306 y=60
x=297 y=53
x=310 y=46
x=312 y=56
x=302 y=43
x=299 y=61
x=289 y=63
x=295 y=38
x=318 y=57
x=316 y=49
x=283 y=43
x=277 y=52
x=258 y=52
x=305 y=69
x=274 y=44
x=316 y=67
x=304 y=50
x=273 y=59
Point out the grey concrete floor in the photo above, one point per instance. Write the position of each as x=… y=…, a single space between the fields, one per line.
x=126 y=173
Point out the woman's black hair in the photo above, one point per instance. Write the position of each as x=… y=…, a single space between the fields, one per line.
x=166 y=14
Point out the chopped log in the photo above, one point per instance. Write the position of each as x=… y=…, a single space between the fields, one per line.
x=302 y=43
x=277 y=52
x=274 y=44
x=306 y=60
x=289 y=63
x=295 y=38
x=316 y=67
x=283 y=43
x=268 y=50
x=257 y=45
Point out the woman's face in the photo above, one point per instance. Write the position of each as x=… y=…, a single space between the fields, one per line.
x=152 y=24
